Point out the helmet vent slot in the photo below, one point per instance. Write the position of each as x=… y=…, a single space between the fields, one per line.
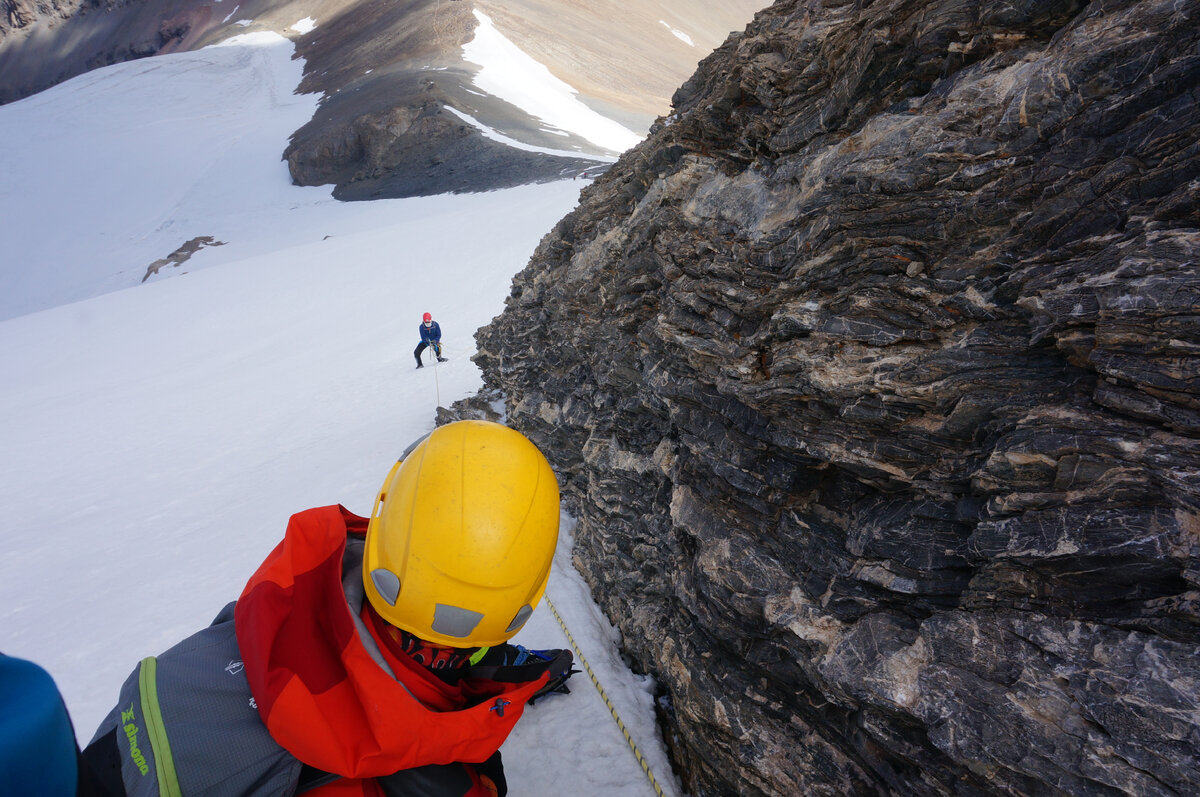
x=453 y=621
x=388 y=584
x=413 y=445
x=519 y=620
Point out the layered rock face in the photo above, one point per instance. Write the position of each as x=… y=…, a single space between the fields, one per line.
x=873 y=378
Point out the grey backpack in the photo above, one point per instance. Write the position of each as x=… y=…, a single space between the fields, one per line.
x=186 y=724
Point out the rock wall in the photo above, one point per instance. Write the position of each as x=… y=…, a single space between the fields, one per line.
x=873 y=378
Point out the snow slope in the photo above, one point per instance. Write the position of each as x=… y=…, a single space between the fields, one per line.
x=157 y=436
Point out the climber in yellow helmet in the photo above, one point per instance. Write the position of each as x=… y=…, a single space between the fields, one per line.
x=470 y=518
x=365 y=655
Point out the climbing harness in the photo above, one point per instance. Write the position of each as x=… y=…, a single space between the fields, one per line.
x=604 y=696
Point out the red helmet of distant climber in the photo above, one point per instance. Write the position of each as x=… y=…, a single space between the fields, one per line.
x=427 y=317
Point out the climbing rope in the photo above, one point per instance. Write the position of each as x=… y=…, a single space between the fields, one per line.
x=604 y=696
x=437 y=353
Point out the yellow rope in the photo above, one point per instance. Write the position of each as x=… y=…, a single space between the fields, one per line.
x=604 y=695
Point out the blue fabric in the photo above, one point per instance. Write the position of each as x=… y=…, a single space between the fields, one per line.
x=37 y=742
x=524 y=654
x=431 y=335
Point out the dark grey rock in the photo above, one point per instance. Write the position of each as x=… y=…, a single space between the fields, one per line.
x=873 y=379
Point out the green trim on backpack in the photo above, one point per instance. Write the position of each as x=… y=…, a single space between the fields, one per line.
x=164 y=764
x=477 y=655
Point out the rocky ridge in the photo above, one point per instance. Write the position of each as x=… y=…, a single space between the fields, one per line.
x=391 y=75
x=873 y=379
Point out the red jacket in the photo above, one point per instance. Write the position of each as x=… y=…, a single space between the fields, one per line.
x=321 y=694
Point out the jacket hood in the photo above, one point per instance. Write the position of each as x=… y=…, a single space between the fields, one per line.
x=321 y=684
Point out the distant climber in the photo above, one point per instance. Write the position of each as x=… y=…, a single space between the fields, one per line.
x=431 y=336
x=365 y=656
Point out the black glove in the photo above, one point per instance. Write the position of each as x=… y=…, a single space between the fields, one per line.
x=445 y=780
x=560 y=670
x=517 y=664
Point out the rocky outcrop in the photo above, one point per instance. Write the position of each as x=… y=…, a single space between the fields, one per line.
x=18 y=14
x=392 y=78
x=389 y=73
x=181 y=255
x=873 y=378
x=394 y=83
x=46 y=43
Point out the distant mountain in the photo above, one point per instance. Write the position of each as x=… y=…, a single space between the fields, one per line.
x=393 y=75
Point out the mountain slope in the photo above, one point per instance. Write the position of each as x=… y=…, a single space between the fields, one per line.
x=392 y=74
x=156 y=438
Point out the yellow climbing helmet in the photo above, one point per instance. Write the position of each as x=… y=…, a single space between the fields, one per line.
x=461 y=538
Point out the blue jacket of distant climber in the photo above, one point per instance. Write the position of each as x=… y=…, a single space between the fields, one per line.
x=431 y=334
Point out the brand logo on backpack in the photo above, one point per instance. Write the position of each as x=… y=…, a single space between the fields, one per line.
x=131 y=733
x=234 y=667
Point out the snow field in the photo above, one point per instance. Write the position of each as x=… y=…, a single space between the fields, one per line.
x=157 y=436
